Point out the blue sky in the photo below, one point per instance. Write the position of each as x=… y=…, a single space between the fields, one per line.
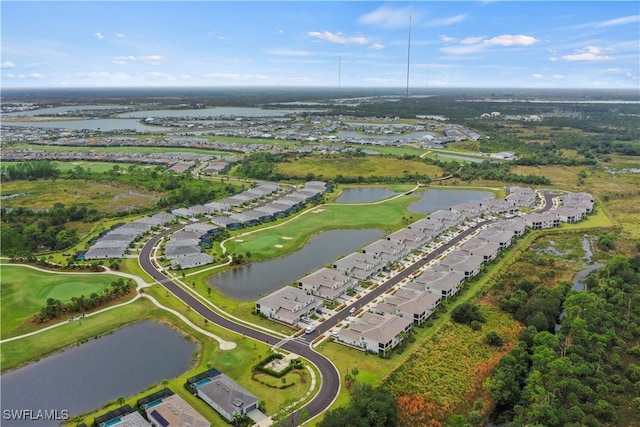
x=580 y=44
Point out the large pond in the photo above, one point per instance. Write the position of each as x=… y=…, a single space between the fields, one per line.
x=210 y=112
x=252 y=281
x=97 y=124
x=364 y=194
x=433 y=200
x=83 y=378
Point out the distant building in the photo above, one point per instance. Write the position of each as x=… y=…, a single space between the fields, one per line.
x=167 y=409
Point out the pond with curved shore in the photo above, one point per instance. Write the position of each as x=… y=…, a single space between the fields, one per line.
x=252 y=281
x=84 y=378
x=432 y=200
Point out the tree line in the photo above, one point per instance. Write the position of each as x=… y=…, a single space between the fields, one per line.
x=587 y=370
x=56 y=308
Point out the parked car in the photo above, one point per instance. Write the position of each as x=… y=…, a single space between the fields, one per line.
x=310 y=329
x=352 y=310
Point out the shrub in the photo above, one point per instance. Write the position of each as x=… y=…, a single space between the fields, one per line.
x=466 y=313
x=494 y=339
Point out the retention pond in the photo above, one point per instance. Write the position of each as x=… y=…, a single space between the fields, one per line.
x=252 y=281
x=83 y=378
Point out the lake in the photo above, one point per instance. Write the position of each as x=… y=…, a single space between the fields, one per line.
x=95 y=124
x=83 y=378
x=210 y=112
x=364 y=194
x=255 y=280
x=433 y=200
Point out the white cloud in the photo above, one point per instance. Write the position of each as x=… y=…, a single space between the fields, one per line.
x=101 y=75
x=122 y=60
x=288 y=52
x=338 y=37
x=10 y=76
x=589 y=53
x=471 y=40
x=537 y=76
x=510 y=40
x=98 y=35
x=7 y=64
x=152 y=59
x=120 y=35
x=476 y=44
x=33 y=65
x=558 y=76
x=280 y=31
x=159 y=77
x=620 y=21
x=444 y=22
x=185 y=77
x=376 y=46
x=446 y=38
x=463 y=49
x=235 y=78
x=388 y=18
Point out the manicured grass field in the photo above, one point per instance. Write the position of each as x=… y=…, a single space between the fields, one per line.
x=103 y=196
x=293 y=234
x=25 y=291
x=370 y=166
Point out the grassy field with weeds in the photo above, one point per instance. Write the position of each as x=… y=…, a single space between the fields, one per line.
x=103 y=196
x=371 y=166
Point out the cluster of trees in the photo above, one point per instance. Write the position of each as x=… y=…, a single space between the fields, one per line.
x=25 y=231
x=368 y=407
x=539 y=307
x=56 y=308
x=29 y=171
x=497 y=172
x=587 y=370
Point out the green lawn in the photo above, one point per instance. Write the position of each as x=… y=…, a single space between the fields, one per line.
x=293 y=234
x=25 y=291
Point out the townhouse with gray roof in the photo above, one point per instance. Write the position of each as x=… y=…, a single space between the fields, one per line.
x=414 y=304
x=521 y=196
x=375 y=333
x=467 y=265
x=494 y=234
x=517 y=225
x=476 y=246
x=428 y=226
x=288 y=305
x=537 y=221
x=448 y=217
x=389 y=251
x=190 y=261
x=440 y=282
x=359 y=266
x=327 y=283
x=412 y=239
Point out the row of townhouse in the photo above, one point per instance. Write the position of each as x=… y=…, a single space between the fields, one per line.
x=415 y=302
x=184 y=248
x=115 y=242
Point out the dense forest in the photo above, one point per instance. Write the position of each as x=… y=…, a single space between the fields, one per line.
x=589 y=368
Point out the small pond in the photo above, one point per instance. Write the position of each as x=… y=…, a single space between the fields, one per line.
x=83 y=378
x=433 y=200
x=255 y=280
x=364 y=194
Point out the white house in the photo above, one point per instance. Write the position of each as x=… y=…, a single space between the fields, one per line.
x=288 y=305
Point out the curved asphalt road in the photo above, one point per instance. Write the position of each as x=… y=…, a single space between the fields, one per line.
x=330 y=378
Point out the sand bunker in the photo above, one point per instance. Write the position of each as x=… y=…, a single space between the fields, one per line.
x=286 y=238
x=239 y=240
x=278 y=246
